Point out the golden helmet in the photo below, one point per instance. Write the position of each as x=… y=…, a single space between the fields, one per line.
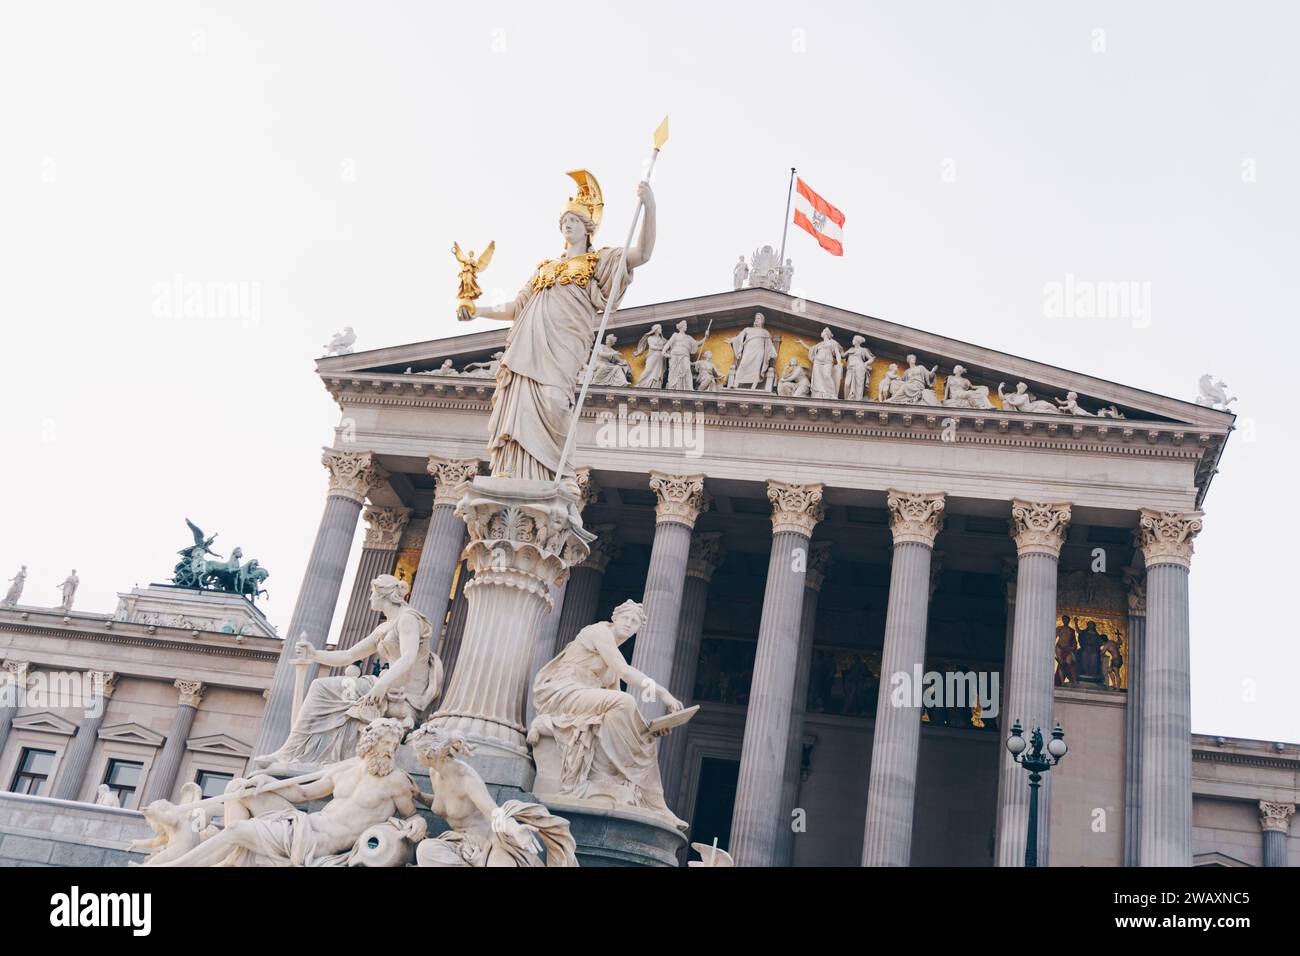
x=589 y=201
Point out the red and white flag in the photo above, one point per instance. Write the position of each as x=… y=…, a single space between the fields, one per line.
x=819 y=218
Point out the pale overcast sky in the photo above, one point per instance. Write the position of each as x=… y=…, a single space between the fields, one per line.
x=325 y=155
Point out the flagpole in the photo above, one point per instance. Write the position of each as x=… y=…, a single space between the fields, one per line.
x=660 y=137
x=786 y=228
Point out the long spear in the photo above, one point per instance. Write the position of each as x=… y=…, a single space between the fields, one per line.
x=660 y=137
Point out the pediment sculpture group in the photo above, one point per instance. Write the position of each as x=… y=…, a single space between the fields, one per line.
x=592 y=747
x=680 y=362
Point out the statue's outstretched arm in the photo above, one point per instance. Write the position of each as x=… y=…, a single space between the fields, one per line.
x=357 y=652
x=644 y=245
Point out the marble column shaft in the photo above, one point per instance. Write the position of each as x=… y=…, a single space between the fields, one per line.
x=378 y=556
x=681 y=498
x=792 y=775
x=13 y=683
x=796 y=509
x=895 y=744
x=454 y=632
x=351 y=476
x=163 y=773
x=76 y=760
x=1166 y=771
x=705 y=555
x=444 y=541
x=1137 y=622
x=1275 y=821
x=582 y=595
x=1039 y=529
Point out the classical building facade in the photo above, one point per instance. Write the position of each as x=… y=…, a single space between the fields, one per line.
x=865 y=551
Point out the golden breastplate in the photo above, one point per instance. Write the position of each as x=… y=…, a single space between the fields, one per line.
x=577 y=270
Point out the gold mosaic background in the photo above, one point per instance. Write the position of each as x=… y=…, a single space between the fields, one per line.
x=1112 y=626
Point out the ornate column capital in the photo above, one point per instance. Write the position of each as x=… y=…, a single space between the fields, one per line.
x=104 y=682
x=604 y=549
x=819 y=562
x=1167 y=535
x=588 y=488
x=448 y=475
x=384 y=526
x=352 y=473
x=1038 y=527
x=795 y=508
x=915 y=516
x=19 y=673
x=520 y=536
x=191 y=692
x=681 y=497
x=1135 y=580
x=706 y=554
x=1275 y=816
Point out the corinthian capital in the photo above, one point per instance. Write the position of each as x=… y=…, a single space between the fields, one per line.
x=1275 y=816
x=103 y=682
x=588 y=489
x=706 y=554
x=604 y=549
x=19 y=672
x=795 y=508
x=681 y=497
x=1167 y=535
x=352 y=473
x=915 y=517
x=191 y=692
x=384 y=527
x=1039 y=527
x=448 y=476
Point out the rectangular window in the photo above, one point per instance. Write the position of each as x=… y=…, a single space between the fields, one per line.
x=123 y=778
x=33 y=771
x=213 y=784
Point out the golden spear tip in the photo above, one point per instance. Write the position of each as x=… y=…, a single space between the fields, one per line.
x=661 y=134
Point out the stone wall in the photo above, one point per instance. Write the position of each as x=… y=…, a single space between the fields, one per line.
x=39 y=831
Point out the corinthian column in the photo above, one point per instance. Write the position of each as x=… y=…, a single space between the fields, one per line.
x=1166 y=773
x=819 y=562
x=13 y=684
x=1039 y=531
x=915 y=521
x=162 y=776
x=523 y=537
x=681 y=499
x=1136 y=579
x=72 y=774
x=384 y=528
x=351 y=476
x=705 y=556
x=796 y=510
x=443 y=541
x=1275 y=821
x=582 y=593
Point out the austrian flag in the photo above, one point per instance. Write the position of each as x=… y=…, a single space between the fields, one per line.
x=818 y=217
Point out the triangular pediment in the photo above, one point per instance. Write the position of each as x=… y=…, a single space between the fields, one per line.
x=132 y=733
x=45 y=722
x=220 y=744
x=796 y=323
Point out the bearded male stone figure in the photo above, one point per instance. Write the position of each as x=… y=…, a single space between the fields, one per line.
x=367 y=790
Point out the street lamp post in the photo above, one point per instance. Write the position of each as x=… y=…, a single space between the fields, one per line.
x=1037 y=763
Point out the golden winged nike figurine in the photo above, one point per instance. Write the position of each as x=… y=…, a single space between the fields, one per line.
x=469 y=270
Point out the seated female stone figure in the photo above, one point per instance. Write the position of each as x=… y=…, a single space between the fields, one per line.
x=589 y=740
x=482 y=834
x=335 y=708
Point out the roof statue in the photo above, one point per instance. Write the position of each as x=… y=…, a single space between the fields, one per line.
x=194 y=570
x=341 y=343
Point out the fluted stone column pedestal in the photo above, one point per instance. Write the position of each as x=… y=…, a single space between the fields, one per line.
x=76 y=761
x=705 y=556
x=162 y=776
x=796 y=510
x=915 y=520
x=351 y=476
x=1275 y=822
x=819 y=560
x=444 y=540
x=1137 y=627
x=680 y=501
x=582 y=593
x=523 y=538
x=1166 y=772
x=378 y=556
x=1039 y=531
